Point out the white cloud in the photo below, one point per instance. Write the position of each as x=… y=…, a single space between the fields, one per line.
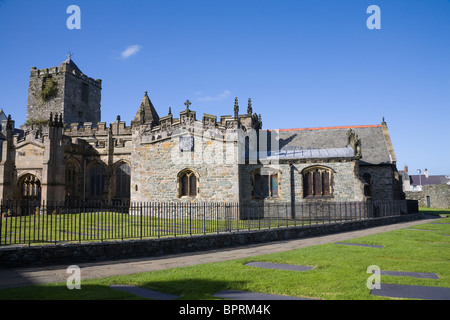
x=130 y=51
x=220 y=96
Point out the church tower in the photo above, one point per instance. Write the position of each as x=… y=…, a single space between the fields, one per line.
x=63 y=90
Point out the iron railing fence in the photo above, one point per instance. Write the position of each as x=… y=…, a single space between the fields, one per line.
x=38 y=223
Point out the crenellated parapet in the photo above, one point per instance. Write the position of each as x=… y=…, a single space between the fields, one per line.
x=100 y=128
x=100 y=136
x=62 y=69
x=168 y=126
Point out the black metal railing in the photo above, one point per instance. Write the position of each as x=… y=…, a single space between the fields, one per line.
x=38 y=223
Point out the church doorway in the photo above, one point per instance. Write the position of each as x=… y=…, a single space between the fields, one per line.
x=28 y=194
x=30 y=189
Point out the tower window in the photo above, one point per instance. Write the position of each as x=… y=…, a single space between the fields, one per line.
x=85 y=92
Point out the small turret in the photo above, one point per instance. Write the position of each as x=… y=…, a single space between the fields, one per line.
x=147 y=113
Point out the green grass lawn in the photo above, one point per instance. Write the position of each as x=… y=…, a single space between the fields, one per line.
x=435 y=211
x=340 y=271
x=104 y=226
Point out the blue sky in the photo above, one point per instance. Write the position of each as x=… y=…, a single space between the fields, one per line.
x=303 y=63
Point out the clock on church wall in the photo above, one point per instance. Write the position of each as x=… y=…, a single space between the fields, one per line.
x=186 y=143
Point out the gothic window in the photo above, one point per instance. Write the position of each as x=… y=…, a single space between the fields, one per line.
x=123 y=181
x=187 y=184
x=30 y=188
x=317 y=182
x=96 y=181
x=72 y=181
x=265 y=184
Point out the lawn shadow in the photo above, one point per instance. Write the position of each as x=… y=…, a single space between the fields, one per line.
x=190 y=289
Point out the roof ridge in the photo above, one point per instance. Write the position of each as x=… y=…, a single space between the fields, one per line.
x=329 y=128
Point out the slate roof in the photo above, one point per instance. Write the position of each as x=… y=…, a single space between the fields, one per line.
x=431 y=180
x=374 y=147
x=299 y=153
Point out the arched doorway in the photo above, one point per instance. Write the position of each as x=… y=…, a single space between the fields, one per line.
x=30 y=188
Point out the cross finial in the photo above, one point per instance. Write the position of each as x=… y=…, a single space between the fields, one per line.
x=187 y=104
x=69 y=54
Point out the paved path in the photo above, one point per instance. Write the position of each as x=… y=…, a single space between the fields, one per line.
x=16 y=277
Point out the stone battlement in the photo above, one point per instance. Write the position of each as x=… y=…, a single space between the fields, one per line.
x=64 y=68
x=100 y=128
x=168 y=126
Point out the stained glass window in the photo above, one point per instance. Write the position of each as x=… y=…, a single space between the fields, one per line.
x=317 y=182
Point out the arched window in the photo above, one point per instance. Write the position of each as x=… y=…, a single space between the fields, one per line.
x=123 y=181
x=72 y=181
x=317 y=182
x=30 y=188
x=265 y=184
x=187 y=181
x=96 y=181
x=368 y=186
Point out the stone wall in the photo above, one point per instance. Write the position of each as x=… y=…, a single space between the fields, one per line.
x=386 y=185
x=90 y=252
x=346 y=184
x=77 y=97
x=156 y=167
x=77 y=109
x=434 y=196
x=37 y=108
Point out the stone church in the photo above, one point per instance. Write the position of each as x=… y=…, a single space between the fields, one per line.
x=65 y=153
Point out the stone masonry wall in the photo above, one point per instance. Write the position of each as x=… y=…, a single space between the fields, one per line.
x=156 y=167
x=346 y=184
x=383 y=181
x=75 y=108
x=37 y=109
x=68 y=100
x=439 y=196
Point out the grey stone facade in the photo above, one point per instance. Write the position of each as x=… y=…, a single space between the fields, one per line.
x=64 y=152
x=432 y=196
x=75 y=96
